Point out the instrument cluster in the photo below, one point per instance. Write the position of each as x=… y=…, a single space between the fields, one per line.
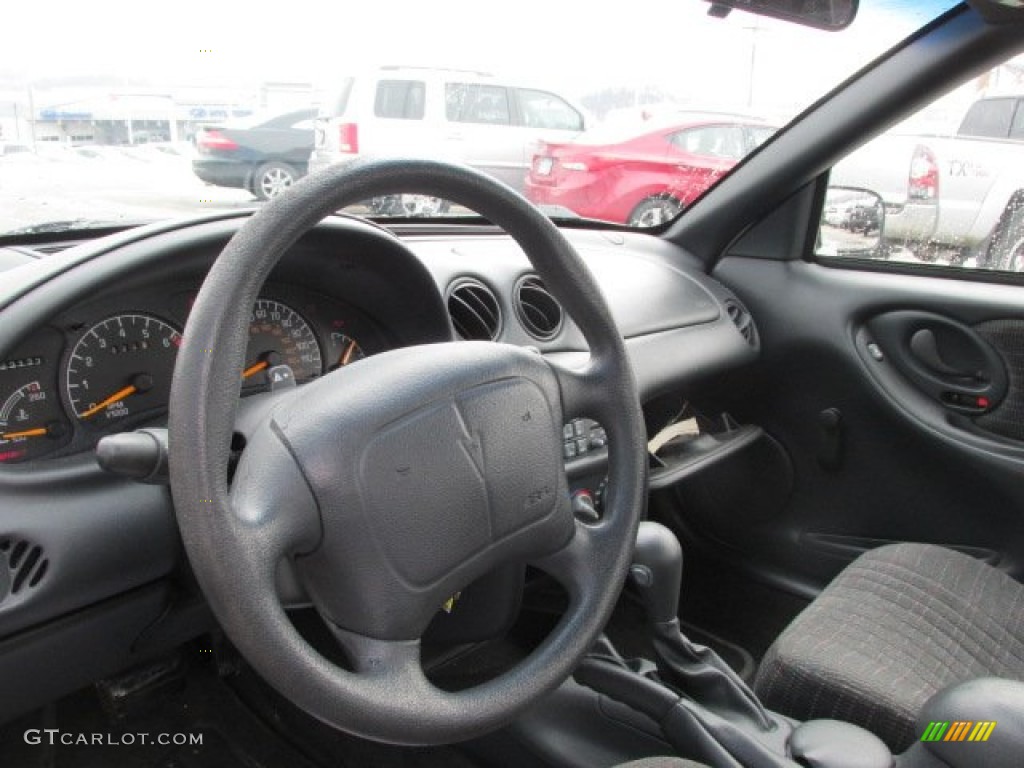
x=107 y=366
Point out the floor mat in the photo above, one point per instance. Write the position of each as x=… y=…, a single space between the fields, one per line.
x=216 y=731
x=238 y=722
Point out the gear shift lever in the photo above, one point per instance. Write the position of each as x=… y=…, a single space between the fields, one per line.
x=657 y=571
x=657 y=575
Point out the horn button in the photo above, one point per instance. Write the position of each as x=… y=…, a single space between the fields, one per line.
x=427 y=477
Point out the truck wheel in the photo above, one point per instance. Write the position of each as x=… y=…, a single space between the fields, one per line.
x=1006 y=246
x=1015 y=259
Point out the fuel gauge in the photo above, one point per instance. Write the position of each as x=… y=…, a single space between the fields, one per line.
x=349 y=350
x=31 y=423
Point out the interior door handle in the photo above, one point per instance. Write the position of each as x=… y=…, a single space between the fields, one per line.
x=926 y=349
x=943 y=357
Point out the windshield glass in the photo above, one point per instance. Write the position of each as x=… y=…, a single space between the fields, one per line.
x=110 y=114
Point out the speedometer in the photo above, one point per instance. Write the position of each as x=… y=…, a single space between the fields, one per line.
x=278 y=335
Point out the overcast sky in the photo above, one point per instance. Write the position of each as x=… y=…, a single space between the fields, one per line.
x=565 y=43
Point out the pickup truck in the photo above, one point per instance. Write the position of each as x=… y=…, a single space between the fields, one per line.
x=952 y=197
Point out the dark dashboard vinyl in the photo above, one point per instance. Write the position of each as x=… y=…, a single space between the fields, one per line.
x=345 y=292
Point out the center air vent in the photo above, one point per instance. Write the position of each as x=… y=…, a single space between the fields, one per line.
x=537 y=309
x=474 y=310
x=23 y=563
x=742 y=320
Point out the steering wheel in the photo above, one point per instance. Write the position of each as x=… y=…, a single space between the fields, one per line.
x=395 y=483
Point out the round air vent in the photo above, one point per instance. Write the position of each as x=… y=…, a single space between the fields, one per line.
x=742 y=320
x=474 y=310
x=24 y=564
x=537 y=309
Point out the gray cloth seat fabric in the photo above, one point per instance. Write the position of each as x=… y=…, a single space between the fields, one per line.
x=897 y=625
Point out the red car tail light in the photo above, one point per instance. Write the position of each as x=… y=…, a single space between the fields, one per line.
x=348 y=138
x=923 y=182
x=543 y=165
x=210 y=140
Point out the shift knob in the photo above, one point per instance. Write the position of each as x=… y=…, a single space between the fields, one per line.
x=657 y=571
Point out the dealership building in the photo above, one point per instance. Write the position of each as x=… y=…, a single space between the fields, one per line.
x=77 y=116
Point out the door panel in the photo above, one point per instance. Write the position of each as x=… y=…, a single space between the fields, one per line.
x=855 y=385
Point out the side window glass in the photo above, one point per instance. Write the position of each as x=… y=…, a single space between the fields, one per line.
x=943 y=189
x=540 y=109
x=399 y=99
x=476 y=103
x=713 y=141
x=989 y=119
x=695 y=141
x=759 y=134
x=1017 y=127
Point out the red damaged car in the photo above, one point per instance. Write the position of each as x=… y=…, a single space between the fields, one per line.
x=614 y=174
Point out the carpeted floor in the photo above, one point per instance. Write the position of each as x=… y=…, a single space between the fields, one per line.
x=238 y=720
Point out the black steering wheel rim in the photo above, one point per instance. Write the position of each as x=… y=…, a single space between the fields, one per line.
x=233 y=550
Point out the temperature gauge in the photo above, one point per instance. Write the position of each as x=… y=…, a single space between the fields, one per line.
x=31 y=424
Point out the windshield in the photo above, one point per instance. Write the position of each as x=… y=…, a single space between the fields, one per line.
x=626 y=114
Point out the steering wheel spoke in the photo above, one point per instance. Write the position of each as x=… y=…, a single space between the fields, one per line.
x=583 y=390
x=572 y=565
x=273 y=512
x=254 y=410
x=395 y=661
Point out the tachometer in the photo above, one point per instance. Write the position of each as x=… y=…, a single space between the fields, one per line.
x=120 y=367
x=278 y=335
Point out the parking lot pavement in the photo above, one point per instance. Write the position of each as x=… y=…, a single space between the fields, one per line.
x=107 y=184
x=113 y=184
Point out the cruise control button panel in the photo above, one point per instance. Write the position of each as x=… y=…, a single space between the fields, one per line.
x=581 y=436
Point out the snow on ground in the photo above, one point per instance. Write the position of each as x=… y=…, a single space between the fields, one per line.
x=153 y=181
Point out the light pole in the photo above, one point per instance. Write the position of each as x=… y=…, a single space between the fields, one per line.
x=754 y=29
x=31 y=117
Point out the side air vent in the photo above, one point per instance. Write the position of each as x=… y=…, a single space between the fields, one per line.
x=474 y=310
x=537 y=309
x=742 y=320
x=24 y=563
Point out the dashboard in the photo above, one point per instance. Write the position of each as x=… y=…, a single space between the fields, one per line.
x=104 y=364
x=89 y=331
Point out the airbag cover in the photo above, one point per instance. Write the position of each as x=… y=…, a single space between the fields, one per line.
x=450 y=473
x=430 y=467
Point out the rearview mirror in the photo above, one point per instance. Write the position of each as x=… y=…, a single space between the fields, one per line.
x=821 y=14
x=852 y=223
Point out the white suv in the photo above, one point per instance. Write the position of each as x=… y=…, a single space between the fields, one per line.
x=469 y=117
